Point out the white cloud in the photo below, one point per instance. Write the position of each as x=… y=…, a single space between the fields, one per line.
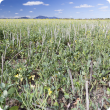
x=21 y=9
x=100 y=4
x=0 y=9
x=9 y=11
x=30 y=11
x=31 y=3
x=91 y=10
x=84 y=6
x=108 y=1
x=104 y=7
x=1 y=1
x=34 y=8
x=77 y=12
x=46 y=4
x=16 y=13
x=60 y=10
x=70 y=2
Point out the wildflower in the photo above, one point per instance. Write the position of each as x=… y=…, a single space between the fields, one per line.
x=19 y=76
x=19 y=69
x=16 y=76
x=32 y=76
x=21 y=79
x=104 y=78
x=49 y=91
x=32 y=86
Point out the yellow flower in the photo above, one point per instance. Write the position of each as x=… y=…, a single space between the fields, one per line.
x=19 y=76
x=19 y=69
x=49 y=91
x=32 y=76
x=16 y=76
x=104 y=78
x=21 y=79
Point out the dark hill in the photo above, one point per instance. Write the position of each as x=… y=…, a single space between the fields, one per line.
x=45 y=17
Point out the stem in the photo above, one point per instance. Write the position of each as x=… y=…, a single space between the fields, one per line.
x=2 y=70
x=71 y=79
x=87 y=96
x=14 y=56
x=91 y=70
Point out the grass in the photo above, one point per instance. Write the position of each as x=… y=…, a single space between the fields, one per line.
x=46 y=64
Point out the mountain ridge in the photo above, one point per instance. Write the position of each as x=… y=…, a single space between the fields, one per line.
x=45 y=17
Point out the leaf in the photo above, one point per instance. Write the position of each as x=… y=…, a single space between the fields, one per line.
x=66 y=96
x=2 y=85
x=6 y=107
x=14 y=108
x=11 y=91
x=56 y=103
x=99 y=60
x=88 y=63
x=1 y=107
x=5 y=93
x=95 y=63
x=83 y=73
x=62 y=105
x=108 y=89
x=100 y=75
x=95 y=76
x=1 y=99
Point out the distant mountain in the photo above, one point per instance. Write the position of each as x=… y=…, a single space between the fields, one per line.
x=45 y=17
x=53 y=18
x=41 y=17
x=23 y=18
x=38 y=17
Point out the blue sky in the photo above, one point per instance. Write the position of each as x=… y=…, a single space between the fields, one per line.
x=58 y=8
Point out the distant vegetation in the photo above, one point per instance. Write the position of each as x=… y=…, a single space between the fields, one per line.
x=45 y=17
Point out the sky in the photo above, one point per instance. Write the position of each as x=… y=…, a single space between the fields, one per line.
x=55 y=8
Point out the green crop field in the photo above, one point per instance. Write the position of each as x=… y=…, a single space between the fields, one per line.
x=54 y=64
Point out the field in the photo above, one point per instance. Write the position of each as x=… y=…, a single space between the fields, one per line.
x=54 y=64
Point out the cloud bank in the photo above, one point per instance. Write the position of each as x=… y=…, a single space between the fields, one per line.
x=104 y=7
x=70 y=2
x=84 y=6
x=31 y=3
